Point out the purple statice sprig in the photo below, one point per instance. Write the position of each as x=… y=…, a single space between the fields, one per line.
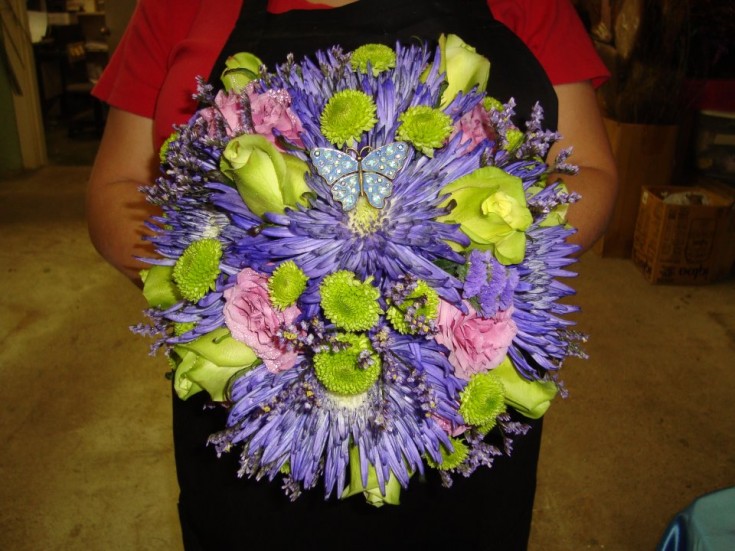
x=489 y=285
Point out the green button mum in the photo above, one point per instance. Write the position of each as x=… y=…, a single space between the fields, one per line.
x=350 y=371
x=347 y=115
x=286 y=284
x=163 y=152
x=453 y=459
x=196 y=270
x=350 y=303
x=424 y=300
x=425 y=128
x=482 y=400
x=379 y=56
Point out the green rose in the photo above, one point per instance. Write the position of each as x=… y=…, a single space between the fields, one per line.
x=464 y=67
x=210 y=363
x=240 y=69
x=268 y=180
x=529 y=398
x=159 y=288
x=491 y=210
x=371 y=490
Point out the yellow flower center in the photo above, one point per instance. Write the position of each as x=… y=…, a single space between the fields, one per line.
x=498 y=203
x=364 y=219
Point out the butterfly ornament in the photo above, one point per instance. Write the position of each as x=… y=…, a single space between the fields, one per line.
x=352 y=175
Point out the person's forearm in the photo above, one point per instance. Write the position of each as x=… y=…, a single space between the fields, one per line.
x=582 y=129
x=117 y=213
x=116 y=209
x=591 y=214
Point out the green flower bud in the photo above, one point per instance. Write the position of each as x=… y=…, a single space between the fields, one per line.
x=428 y=310
x=451 y=459
x=349 y=303
x=163 y=152
x=268 y=180
x=513 y=139
x=240 y=69
x=491 y=210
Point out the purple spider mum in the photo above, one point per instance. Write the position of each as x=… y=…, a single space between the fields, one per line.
x=402 y=238
x=394 y=424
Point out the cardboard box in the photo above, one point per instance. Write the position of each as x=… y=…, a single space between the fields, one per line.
x=683 y=235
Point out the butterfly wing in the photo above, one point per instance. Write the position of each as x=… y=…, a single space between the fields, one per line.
x=379 y=167
x=377 y=188
x=347 y=191
x=386 y=160
x=332 y=164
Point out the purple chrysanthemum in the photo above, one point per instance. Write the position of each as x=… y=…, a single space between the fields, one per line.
x=542 y=341
x=405 y=237
x=289 y=419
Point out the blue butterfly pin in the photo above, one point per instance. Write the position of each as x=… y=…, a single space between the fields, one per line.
x=351 y=176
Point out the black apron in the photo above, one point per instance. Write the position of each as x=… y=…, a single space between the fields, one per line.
x=491 y=509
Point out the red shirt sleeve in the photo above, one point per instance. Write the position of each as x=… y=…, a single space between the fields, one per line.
x=554 y=33
x=167 y=44
x=137 y=69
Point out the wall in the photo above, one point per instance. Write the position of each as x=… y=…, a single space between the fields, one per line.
x=10 y=155
x=28 y=123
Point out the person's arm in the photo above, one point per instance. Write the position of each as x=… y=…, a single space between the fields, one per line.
x=581 y=127
x=116 y=209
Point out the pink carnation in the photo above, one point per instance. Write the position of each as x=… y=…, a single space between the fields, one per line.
x=251 y=318
x=475 y=127
x=450 y=428
x=272 y=111
x=227 y=107
x=475 y=343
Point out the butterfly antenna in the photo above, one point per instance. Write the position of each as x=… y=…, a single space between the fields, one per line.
x=363 y=153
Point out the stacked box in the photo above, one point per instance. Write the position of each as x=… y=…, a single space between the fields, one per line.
x=684 y=235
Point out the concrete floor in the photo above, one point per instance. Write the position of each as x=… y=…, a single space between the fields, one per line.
x=86 y=456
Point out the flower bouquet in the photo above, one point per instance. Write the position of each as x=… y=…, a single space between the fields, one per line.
x=359 y=256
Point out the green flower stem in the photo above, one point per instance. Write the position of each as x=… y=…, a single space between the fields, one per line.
x=370 y=487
